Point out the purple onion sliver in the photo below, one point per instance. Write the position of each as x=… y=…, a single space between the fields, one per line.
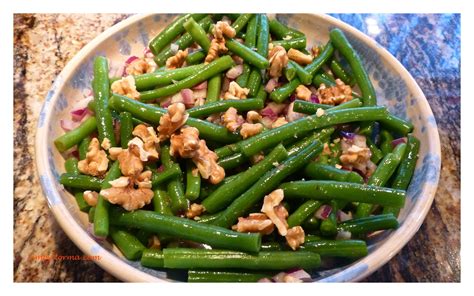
x=314 y=99
x=292 y=98
x=323 y=212
x=398 y=141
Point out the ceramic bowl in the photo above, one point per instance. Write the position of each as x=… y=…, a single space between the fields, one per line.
x=395 y=89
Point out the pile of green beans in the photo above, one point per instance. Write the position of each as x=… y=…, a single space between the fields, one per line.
x=334 y=202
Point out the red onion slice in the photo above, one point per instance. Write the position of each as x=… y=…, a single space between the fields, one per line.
x=398 y=141
x=68 y=125
x=202 y=85
x=131 y=59
x=314 y=99
x=235 y=72
x=271 y=85
x=300 y=274
x=323 y=212
x=343 y=216
x=78 y=115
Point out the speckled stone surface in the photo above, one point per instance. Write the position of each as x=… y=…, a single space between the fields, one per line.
x=427 y=45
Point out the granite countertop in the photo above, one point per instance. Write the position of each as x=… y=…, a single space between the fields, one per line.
x=427 y=45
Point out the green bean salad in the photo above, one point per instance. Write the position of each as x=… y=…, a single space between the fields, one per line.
x=238 y=152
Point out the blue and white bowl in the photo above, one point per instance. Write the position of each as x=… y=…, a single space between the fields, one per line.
x=395 y=89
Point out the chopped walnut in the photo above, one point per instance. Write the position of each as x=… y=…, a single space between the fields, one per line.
x=279 y=122
x=335 y=95
x=91 y=197
x=149 y=138
x=144 y=180
x=278 y=60
x=206 y=161
x=356 y=154
x=256 y=158
x=255 y=222
x=96 y=161
x=154 y=242
x=223 y=29
x=217 y=47
x=271 y=207
x=315 y=51
x=141 y=66
x=303 y=93
x=186 y=144
x=231 y=120
x=295 y=237
x=139 y=146
x=236 y=92
x=114 y=152
x=128 y=197
x=177 y=61
x=120 y=182
x=126 y=86
x=253 y=117
x=299 y=57
x=250 y=129
x=284 y=277
x=174 y=119
x=194 y=210
x=129 y=161
x=320 y=112
x=105 y=144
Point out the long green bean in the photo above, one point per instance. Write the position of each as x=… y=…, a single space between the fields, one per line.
x=101 y=215
x=128 y=244
x=75 y=136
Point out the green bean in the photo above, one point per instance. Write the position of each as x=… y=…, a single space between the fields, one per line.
x=254 y=82
x=281 y=31
x=226 y=193
x=341 y=73
x=75 y=136
x=128 y=244
x=84 y=147
x=318 y=171
x=91 y=214
x=312 y=223
x=382 y=174
x=362 y=226
x=152 y=115
x=126 y=129
x=225 y=276
x=152 y=258
x=215 y=67
x=289 y=71
x=100 y=86
x=168 y=174
x=178 y=203
x=263 y=36
x=193 y=181
x=282 y=93
x=222 y=106
x=303 y=75
x=397 y=124
x=198 y=34
x=340 y=42
x=270 y=260
x=296 y=43
x=377 y=155
x=386 y=139
x=261 y=93
x=71 y=166
x=251 y=34
x=247 y=54
x=337 y=248
x=328 y=226
x=303 y=212
x=227 y=150
x=319 y=79
x=208 y=218
x=311 y=108
x=232 y=161
x=244 y=77
x=167 y=35
x=161 y=201
x=80 y=181
x=241 y=21
x=265 y=184
x=350 y=192
x=196 y=57
x=187 y=229
x=271 y=246
x=101 y=215
x=271 y=137
x=152 y=80
x=321 y=59
x=213 y=89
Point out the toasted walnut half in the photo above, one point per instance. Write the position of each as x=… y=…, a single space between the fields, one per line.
x=303 y=93
x=299 y=57
x=253 y=116
x=255 y=222
x=177 y=60
x=250 y=129
x=141 y=66
x=194 y=210
x=174 y=119
x=295 y=237
x=356 y=154
x=129 y=198
x=223 y=29
x=335 y=95
x=278 y=60
x=126 y=86
x=271 y=207
x=206 y=162
x=186 y=144
x=129 y=161
x=96 y=161
x=232 y=120
x=236 y=92
x=149 y=138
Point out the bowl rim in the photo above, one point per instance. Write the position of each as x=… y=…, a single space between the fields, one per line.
x=126 y=272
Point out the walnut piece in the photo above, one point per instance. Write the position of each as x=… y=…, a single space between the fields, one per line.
x=128 y=197
x=154 y=242
x=335 y=95
x=96 y=161
x=356 y=154
x=126 y=86
x=149 y=138
x=186 y=144
x=315 y=51
x=217 y=47
x=223 y=29
x=170 y=122
x=129 y=160
x=236 y=92
x=271 y=207
x=256 y=158
x=250 y=129
x=105 y=144
x=253 y=116
x=177 y=61
x=299 y=57
x=255 y=222
x=141 y=66
x=295 y=237
x=194 y=210
x=231 y=120
x=91 y=197
x=144 y=180
x=303 y=93
x=279 y=122
x=278 y=60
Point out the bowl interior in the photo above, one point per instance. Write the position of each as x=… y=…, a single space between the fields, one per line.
x=395 y=89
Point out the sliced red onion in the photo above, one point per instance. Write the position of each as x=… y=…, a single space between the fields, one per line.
x=174 y=48
x=292 y=98
x=398 y=141
x=269 y=113
x=343 y=216
x=314 y=99
x=75 y=153
x=300 y=274
x=225 y=84
x=68 y=125
x=323 y=212
x=348 y=135
x=78 y=115
x=160 y=169
x=202 y=85
x=166 y=103
x=131 y=59
x=271 y=85
x=235 y=72
x=147 y=52
x=187 y=96
x=199 y=94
